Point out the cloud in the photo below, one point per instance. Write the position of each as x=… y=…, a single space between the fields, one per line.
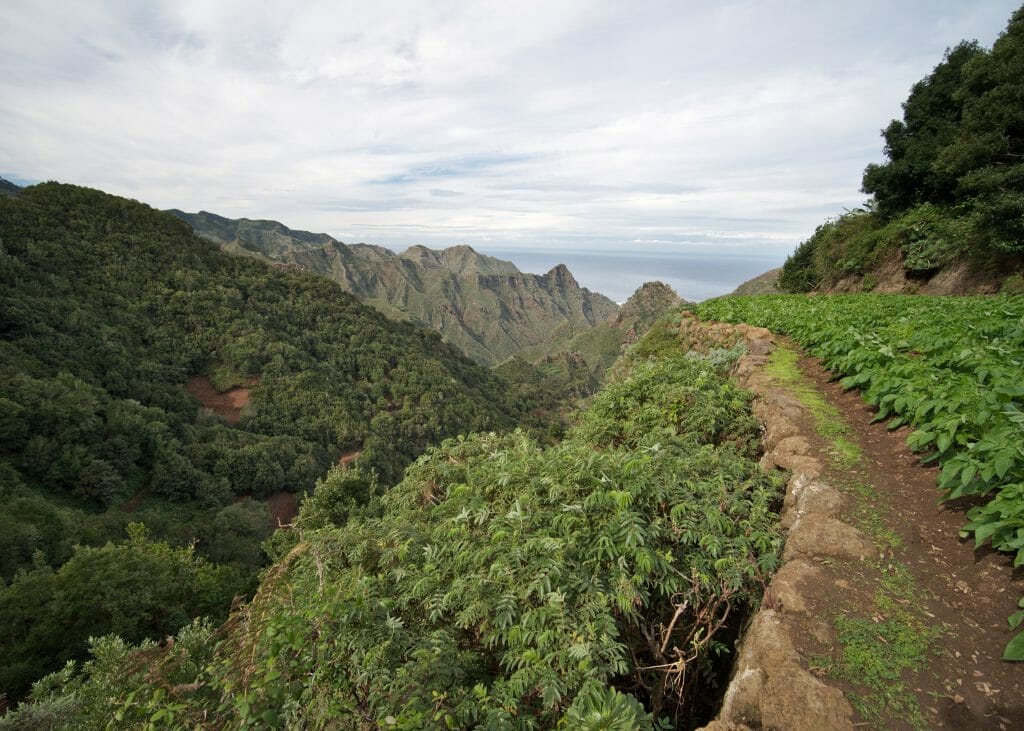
x=528 y=124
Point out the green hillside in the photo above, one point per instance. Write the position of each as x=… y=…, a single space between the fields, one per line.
x=484 y=306
x=766 y=283
x=947 y=208
x=501 y=584
x=109 y=309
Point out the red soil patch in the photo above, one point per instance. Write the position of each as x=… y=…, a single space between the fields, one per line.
x=228 y=404
x=349 y=458
x=134 y=502
x=283 y=506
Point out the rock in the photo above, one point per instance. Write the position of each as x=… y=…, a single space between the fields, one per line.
x=797 y=701
x=793 y=445
x=820 y=537
x=801 y=464
x=778 y=429
x=724 y=726
x=741 y=704
x=794 y=580
x=761 y=346
x=770 y=690
x=805 y=497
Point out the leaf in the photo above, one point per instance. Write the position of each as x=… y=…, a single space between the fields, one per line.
x=1002 y=464
x=1014 y=651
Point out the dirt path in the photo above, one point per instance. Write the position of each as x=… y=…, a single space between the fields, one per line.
x=879 y=616
x=965 y=594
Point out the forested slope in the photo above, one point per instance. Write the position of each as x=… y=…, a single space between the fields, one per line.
x=107 y=308
x=947 y=209
x=595 y=583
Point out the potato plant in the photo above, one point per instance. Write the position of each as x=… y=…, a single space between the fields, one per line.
x=952 y=367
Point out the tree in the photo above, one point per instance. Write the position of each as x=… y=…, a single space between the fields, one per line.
x=931 y=118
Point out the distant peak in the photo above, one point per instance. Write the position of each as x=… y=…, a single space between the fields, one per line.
x=8 y=188
x=561 y=276
x=647 y=302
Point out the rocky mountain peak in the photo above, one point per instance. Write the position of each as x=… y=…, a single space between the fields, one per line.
x=560 y=276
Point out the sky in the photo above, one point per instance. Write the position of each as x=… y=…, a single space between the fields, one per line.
x=527 y=125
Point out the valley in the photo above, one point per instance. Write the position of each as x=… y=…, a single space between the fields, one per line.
x=254 y=476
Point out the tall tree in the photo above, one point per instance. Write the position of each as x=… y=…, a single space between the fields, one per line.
x=931 y=118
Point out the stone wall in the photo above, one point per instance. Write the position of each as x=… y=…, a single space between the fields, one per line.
x=771 y=687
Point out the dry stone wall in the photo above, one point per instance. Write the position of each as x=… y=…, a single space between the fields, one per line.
x=771 y=687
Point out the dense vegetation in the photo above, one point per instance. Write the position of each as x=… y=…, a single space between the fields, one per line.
x=502 y=584
x=952 y=187
x=107 y=307
x=951 y=367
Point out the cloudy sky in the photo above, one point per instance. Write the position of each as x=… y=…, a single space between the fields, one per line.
x=525 y=124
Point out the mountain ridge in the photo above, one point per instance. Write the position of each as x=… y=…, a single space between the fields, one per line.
x=484 y=305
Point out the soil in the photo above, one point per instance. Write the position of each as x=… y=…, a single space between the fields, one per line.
x=349 y=458
x=228 y=404
x=971 y=592
x=283 y=506
x=959 y=278
x=134 y=502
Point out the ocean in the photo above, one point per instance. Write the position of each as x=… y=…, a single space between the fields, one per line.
x=696 y=273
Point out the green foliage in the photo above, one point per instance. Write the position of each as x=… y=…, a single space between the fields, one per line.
x=342 y=494
x=952 y=187
x=929 y=238
x=950 y=367
x=503 y=584
x=839 y=247
x=76 y=698
x=931 y=119
x=485 y=306
x=599 y=708
x=136 y=589
x=876 y=651
x=107 y=308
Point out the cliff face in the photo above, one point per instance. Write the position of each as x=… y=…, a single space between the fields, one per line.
x=481 y=304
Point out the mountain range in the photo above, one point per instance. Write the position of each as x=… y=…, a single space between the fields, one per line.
x=485 y=306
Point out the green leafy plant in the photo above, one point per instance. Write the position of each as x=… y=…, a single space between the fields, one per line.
x=949 y=367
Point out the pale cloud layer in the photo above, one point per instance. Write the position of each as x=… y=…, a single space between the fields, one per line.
x=503 y=124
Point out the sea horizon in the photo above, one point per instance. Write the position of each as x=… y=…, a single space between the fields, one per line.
x=696 y=274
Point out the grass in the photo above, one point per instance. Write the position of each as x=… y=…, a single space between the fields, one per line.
x=876 y=651
x=784 y=369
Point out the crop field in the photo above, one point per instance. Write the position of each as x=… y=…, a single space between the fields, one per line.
x=951 y=367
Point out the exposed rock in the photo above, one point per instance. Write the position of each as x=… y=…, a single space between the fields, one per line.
x=797 y=701
x=761 y=346
x=770 y=687
x=790 y=584
x=483 y=305
x=794 y=463
x=820 y=537
x=726 y=726
x=812 y=497
x=771 y=690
